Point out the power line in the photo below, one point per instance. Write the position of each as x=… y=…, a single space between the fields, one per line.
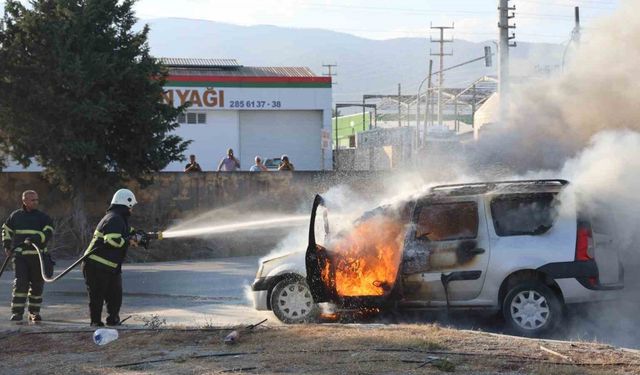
x=601 y=6
x=430 y=11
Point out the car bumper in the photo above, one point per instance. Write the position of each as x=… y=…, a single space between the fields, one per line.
x=260 y=300
x=260 y=292
x=575 y=292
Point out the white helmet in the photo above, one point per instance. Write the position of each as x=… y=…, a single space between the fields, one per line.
x=124 y=197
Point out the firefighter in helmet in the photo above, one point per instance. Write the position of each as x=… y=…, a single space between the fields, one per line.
x=102 y=269
x=27 y=223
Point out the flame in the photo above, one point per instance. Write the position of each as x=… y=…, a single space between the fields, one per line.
x=329 y=316
x=365 y=261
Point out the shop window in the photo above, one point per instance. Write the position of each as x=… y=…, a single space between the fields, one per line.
x=192 y=118
x=447 y=221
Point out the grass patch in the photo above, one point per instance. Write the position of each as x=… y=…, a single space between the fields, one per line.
x=444 y=365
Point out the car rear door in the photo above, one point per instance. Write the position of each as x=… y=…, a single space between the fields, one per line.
x=603 y=227
x=448 y=239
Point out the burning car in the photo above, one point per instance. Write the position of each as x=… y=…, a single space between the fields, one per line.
x=505 y=246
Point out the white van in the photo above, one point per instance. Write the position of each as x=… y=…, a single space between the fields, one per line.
x=502 y=246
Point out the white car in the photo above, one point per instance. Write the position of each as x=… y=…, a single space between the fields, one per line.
x=503 y=246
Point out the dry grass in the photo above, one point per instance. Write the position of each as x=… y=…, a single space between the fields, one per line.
x=310 y=349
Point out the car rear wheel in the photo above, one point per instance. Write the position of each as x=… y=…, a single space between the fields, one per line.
x=531 y=309
x=292 y=303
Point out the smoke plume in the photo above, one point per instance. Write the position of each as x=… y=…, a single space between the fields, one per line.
x=553 y=119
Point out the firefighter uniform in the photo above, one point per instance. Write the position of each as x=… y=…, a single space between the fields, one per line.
x=102 y=269
x=28 y=284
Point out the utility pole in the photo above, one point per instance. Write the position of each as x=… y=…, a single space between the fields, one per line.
x=428 y=111
x=441 y=54
x=330 y=72
x=399 y=105
x=575 y=35
x=505 y=42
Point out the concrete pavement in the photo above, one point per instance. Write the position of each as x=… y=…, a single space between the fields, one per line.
x=194 y=293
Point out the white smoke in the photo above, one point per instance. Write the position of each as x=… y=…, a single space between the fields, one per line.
x=553 y=119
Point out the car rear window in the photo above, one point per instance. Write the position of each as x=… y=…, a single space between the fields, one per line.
x=523 y=214
x=447 y=221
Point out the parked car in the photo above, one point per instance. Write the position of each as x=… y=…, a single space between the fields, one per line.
x=501 y=246
x=272 y=164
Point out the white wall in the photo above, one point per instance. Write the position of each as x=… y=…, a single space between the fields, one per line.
x=273 y=133
x=210 y=140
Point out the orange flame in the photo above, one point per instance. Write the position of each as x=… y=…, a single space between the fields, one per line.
x=366 y=260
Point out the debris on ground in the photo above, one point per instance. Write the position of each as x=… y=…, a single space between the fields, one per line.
x=309 y=349
x=234 y=336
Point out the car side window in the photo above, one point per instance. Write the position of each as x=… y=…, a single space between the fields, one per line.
x=523 y=214
x=447 y=221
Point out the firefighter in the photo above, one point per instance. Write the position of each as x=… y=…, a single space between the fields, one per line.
x=102 y=269
x=27 y=222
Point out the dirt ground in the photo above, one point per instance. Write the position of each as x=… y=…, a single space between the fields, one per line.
x=308 y=349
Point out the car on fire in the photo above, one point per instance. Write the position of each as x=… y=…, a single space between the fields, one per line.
x=516 y=247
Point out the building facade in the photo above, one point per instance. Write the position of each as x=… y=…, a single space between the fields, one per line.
x=266 y=111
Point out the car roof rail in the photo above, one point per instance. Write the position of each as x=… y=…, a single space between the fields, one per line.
x=483 y=187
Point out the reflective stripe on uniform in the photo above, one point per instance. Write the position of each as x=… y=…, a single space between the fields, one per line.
x=96 y=235
x=111 y=238
x=6 y=232
x=34 y=304
x=31 y=296
x=103 y=261
x=108 y=238
x=20 y=295
x=47 y=227
x=31 y=231
x=31 y=252
x=17 y=305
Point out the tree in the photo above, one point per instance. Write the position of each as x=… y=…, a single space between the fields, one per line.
x=80 y=94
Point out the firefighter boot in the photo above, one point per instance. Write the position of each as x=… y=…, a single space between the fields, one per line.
x=16 y=317
x=35 y=317
x=113 y=320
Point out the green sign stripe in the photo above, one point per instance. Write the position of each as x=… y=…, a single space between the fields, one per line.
x=248 y=84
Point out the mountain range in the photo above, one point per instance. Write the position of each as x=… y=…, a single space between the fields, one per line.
x=364 y=66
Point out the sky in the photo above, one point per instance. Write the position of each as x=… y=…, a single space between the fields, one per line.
x=475 y=20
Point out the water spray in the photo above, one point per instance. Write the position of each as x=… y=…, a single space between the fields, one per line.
x=143 y=238
x=227 y=228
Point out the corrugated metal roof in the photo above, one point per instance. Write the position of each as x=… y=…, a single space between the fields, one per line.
x=243 y=71
x=200 y=63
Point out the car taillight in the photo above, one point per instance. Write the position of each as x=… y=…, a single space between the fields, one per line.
x=584 y=243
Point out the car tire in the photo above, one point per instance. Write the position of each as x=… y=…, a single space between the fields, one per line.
x=530 y=308
x=292 y=303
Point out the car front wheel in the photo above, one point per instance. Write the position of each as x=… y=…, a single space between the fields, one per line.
x=532 y=309
x=292 y=303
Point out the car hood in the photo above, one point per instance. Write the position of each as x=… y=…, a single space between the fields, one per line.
x=281 y=257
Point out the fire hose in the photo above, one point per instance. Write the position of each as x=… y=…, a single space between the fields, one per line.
x=144 y=240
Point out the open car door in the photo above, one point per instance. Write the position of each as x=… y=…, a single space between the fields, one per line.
x=316 y=257
x=358 y=266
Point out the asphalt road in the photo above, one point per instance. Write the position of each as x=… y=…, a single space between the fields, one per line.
x=194 y=293
x=216 y=293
